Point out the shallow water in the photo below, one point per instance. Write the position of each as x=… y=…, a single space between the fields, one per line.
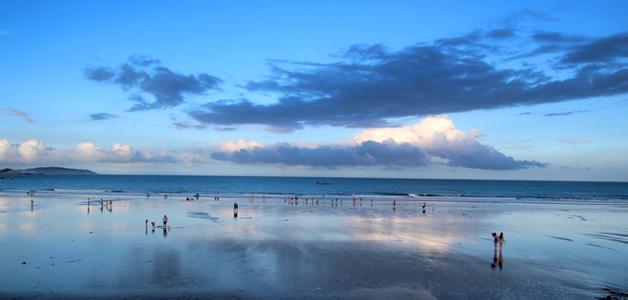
x=62 y=247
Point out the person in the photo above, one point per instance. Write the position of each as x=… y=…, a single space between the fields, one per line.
x=494 y=262
x=197 y=196
x=165 y=220
x=495 y=239
x=153 y=224
x=500 y=260
x=235 y=209
x=501 y=238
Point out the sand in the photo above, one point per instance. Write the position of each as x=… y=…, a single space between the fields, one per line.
x=56 y=248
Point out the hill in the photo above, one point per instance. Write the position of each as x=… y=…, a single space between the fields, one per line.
x=57 y=171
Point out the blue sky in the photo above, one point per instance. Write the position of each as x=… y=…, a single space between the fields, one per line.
x=296 y=82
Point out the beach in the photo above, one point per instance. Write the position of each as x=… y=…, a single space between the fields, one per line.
x=58 y=246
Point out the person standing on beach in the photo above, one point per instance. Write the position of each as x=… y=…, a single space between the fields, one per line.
x=235 y=209
x=165 y=220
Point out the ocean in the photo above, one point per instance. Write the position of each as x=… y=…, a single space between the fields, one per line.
x=281 y=186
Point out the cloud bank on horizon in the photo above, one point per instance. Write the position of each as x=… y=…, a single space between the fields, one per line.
x=434 y=140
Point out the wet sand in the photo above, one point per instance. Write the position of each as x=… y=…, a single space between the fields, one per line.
x=57 y=248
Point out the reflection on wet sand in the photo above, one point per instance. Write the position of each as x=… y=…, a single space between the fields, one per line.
x=499 y=261
x=289 y=248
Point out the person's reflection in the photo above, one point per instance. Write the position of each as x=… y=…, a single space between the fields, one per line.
x=494 y=262
x=497 y=260
x=500 y=260
x=165 y=230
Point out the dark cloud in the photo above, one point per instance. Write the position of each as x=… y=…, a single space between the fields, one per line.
x=371 y=153
x=479 y=156
x=369 y=84
x=225 y=128
x=102 y=116
x=501 y=33
x=602 y=50
x=556 y=37
x=20 y=114
x=186 y=125
x=566 y=113
x=144 y=75
x=365 y=154
x=516 y=18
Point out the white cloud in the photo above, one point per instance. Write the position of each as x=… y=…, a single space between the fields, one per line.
x=4 y=148
x=34 y=151
x=28 y=150
x=430 y=133
x=238 y=145
x=121 y=151
x=87 y=150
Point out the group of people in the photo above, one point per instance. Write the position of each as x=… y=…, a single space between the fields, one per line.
x=498 y=240
x=104 y=204
x=164 y=221
x=196 y=196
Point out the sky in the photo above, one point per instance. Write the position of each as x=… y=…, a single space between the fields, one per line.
x=405 y=89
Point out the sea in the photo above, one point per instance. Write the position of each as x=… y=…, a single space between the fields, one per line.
x=281 y=187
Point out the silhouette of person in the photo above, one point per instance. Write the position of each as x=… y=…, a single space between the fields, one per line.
x=165 y=220
x=500 y=260
x=494 y=262
x=235 y=210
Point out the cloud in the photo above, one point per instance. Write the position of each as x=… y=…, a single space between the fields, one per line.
x=185 y=125
x=121 y=153
x=20 y=114
x=433 y=138
x=102 y=116
x=29 y=150
x=566 y=113
x=602 y=50
x=370 y=85
x=4 y=148
x=142 y=75
x=363 y=154
x=34 y=151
